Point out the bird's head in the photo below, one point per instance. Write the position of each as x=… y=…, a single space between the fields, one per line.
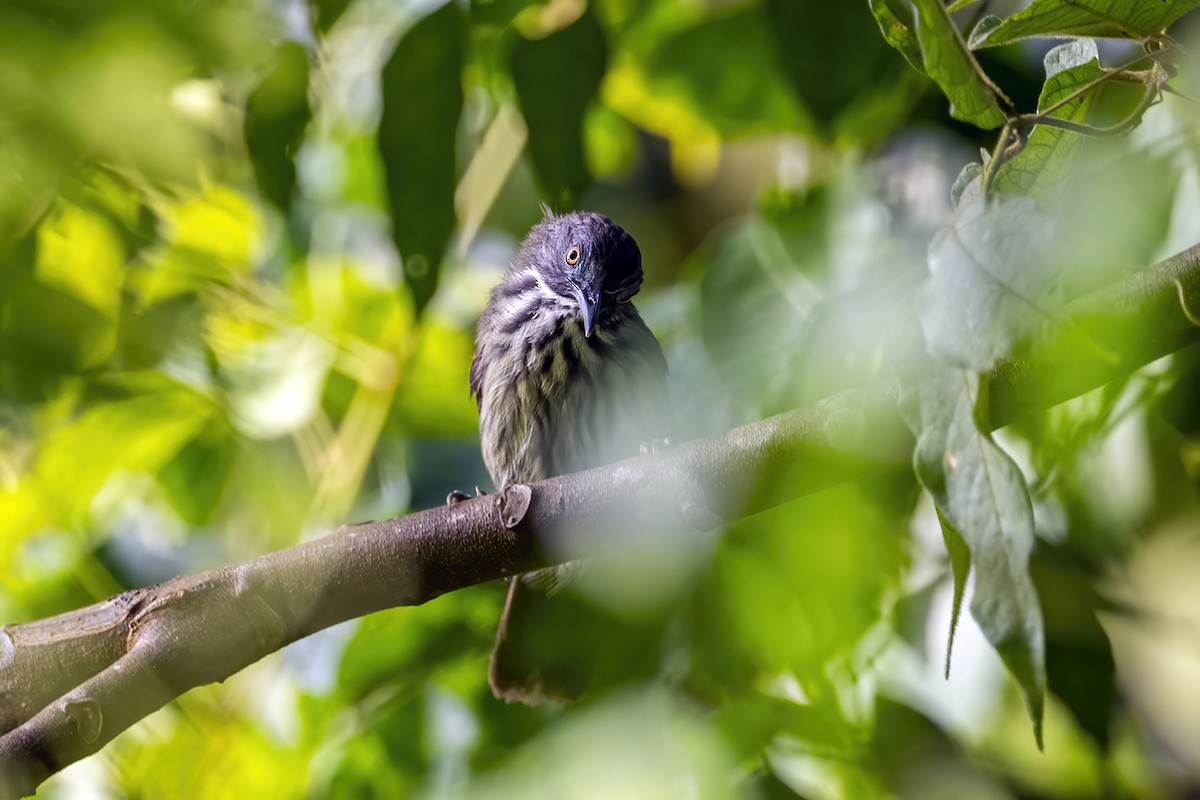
x=586 y=259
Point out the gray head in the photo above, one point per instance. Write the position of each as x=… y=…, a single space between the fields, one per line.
x=586 y=259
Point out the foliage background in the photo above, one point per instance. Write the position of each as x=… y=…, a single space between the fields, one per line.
x=210 y=347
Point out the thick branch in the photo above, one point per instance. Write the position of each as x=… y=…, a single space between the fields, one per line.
x=71 y=683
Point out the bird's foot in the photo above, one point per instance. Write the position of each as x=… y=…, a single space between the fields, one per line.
x=456 y=496
x=654 y=446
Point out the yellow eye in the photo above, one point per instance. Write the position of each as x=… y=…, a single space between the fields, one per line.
x=573 y=256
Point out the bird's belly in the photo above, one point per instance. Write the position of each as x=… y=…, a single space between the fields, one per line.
x=566 y=412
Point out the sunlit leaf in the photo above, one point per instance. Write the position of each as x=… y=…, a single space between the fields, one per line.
x=49 y=331
x=556 y=78
x=208 y=238
x=980 y=493
x=139 y=434
x=277 y=113
x=973 y=97
x=80 y=253
x=1126 y=19
x=422 y=101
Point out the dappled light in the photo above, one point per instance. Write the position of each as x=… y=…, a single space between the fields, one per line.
x=927 y=283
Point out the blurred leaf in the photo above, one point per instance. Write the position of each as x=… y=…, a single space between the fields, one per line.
x=1042 y=166
x=80 y=254
x=46 y=334
x=791 y=589
x=753 y=299
x=139 y=434
x=277 y=113
x=666 y=79
x=1125 y=19
x=401 y=648
x=194 y=480
x=981 y=495
x=845 y=28
x=973 y=97
x=556 y=78
x=426 y=400
x=611 y=143
x=1080 y=668
x=422 y=101
x=752 y=721
x=895 y=23
x=207 y=238
x=958 y=5
x=989 y=287
x=645 y=743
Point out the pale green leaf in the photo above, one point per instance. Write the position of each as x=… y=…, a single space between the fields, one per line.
x=960 y=567
x=988 y=289
x=981 y=497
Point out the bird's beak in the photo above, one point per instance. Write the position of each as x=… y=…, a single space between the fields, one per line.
x=591 y=310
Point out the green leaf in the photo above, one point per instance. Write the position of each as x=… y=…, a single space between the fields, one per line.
x=973 y=97
x=277 y=112
x=981 y=496
x=896 y=29
x=422 y=102
x=556 y=78
x=988 y=291
x=959 y=5
x=1122 y=19
x=1042 y=166
x=960 y=567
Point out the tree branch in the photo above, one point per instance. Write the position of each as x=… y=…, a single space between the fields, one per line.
x=71 y=683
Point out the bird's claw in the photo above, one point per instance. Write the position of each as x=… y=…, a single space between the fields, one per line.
x=653 y=446
x=455 y=497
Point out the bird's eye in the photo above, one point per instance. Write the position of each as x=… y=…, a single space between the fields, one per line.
x=573 y=255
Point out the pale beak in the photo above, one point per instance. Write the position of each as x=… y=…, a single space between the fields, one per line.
x=591 y=310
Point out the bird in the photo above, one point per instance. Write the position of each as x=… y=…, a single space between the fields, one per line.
x=567 y=376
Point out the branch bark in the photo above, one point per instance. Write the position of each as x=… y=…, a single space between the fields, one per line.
x=71 y=683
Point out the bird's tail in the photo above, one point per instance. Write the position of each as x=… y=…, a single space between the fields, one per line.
x=556 y=645
x=519 y=655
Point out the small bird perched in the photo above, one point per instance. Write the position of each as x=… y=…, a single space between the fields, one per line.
x=567 y=377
